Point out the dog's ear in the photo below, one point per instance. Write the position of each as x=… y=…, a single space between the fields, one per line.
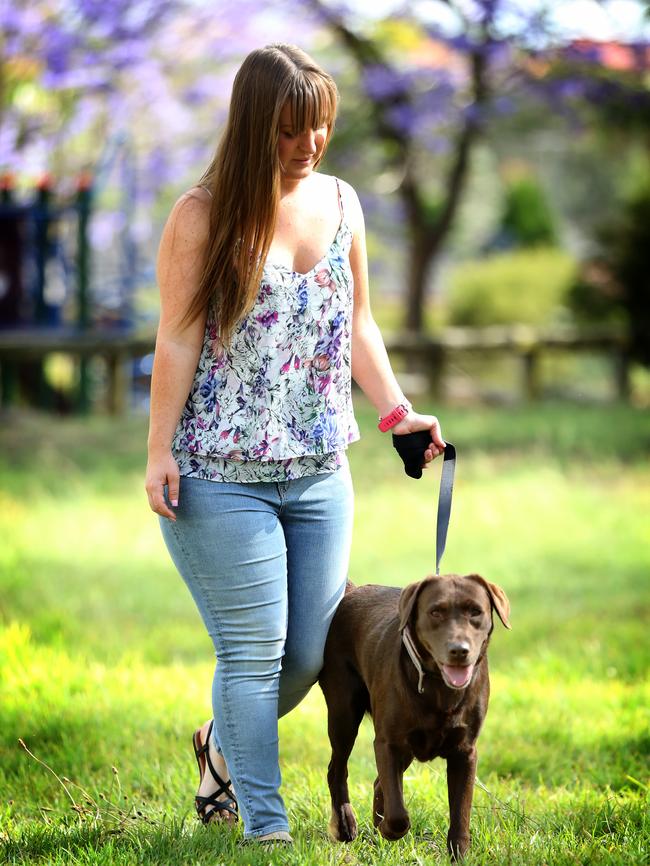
x=407 y=599
x=498 y=598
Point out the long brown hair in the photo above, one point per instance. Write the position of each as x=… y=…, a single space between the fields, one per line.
x=244 y=175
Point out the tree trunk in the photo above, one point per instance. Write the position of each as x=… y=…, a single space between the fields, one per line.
x=418 y=269
x=428 y=227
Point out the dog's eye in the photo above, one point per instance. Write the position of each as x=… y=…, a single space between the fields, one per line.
x=436 y=612
x=475 y=611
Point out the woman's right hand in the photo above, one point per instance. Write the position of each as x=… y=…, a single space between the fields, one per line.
x=162 y=469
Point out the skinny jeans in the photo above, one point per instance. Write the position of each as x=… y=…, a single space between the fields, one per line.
x=266 y=564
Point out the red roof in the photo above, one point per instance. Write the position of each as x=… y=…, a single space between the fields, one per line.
x=616 y=55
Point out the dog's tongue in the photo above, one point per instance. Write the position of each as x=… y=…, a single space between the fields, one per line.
x=458 y=676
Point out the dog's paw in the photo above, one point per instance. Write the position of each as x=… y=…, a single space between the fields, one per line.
x=377 y=804
x=457 y=846
x=343 y=824
x=394 y=828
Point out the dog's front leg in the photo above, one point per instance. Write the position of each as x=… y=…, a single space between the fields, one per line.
x=343 y=724
x=343 y=823
x=391 y=763
x=461 y=772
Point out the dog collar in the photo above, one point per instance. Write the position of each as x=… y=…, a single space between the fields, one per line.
x=407 y=640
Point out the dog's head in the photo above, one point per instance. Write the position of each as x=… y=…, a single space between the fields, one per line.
x=451 y=617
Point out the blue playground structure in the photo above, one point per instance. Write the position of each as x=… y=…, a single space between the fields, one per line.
x=53 y=300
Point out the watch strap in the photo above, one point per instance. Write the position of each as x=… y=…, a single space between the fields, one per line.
x=394 y=417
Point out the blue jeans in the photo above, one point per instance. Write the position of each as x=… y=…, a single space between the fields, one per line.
x=266 y=563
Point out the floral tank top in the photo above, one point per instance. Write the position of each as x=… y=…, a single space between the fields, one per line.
x=277 y=403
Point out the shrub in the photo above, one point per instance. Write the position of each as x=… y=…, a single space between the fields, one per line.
x=527 y=218
x=528 y=286
x=615 y=284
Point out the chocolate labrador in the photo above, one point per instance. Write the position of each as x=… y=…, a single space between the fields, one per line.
x=416 y=660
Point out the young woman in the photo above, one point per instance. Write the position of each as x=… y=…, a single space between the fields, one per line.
x=264 y=320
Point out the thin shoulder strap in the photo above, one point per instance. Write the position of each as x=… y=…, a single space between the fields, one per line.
x=338 y=189
x=206 y=189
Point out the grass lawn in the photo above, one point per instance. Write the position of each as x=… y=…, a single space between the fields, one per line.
x=105 y=669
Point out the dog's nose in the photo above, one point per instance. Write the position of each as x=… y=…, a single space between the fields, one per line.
x=459 y=651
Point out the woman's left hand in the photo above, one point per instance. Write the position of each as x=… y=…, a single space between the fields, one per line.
x=414 y=422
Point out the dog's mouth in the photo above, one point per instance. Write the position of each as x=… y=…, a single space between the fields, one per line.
x=457 y=677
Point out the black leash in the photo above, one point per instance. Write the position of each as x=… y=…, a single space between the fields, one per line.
x=411 y=448
x=444 y=501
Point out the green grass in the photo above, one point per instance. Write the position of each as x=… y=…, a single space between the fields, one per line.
x=104 y=663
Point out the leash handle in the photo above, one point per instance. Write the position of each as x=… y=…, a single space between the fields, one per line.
x=444 y=501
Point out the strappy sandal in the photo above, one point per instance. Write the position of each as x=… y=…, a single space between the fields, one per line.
x=202 y=754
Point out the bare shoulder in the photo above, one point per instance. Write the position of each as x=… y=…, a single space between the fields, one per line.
x=188 y=224
x=351 y=204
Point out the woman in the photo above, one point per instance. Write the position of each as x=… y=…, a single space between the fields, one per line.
x=264 y=319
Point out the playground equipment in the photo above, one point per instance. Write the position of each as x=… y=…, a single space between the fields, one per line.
x=47 y=303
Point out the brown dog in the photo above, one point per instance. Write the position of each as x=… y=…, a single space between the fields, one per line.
x=416 y=661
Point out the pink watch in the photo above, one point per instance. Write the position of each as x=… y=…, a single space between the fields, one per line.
x=393 y=417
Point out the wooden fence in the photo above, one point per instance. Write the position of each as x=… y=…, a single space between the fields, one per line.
x=429 y=356
x=425 y=355
x=118 y=348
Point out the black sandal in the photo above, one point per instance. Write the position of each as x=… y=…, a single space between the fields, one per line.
x=202 y=753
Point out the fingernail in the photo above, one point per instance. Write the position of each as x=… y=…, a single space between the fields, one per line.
x=174 y=502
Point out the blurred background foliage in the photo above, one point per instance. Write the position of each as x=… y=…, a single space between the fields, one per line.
x=500 y=147
x=488 y=291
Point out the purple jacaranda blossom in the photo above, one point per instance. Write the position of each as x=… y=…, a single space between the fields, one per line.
x=59 y=48
x=9 y=129
x=158 y=164
x=104 y=228
x=503 y=104
x=127 y=54
x=90 y=81
x=567 y=88
x=380 y=82
x=15 y=21
x=402 y=117
x=86 y=111
x=461 y=42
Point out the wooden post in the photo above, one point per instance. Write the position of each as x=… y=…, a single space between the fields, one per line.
x=8 y=383
x=118 y=382
x=531 y=376
x=621 y=359
x=84 y=192
x=436 y=359
x=11 y=302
